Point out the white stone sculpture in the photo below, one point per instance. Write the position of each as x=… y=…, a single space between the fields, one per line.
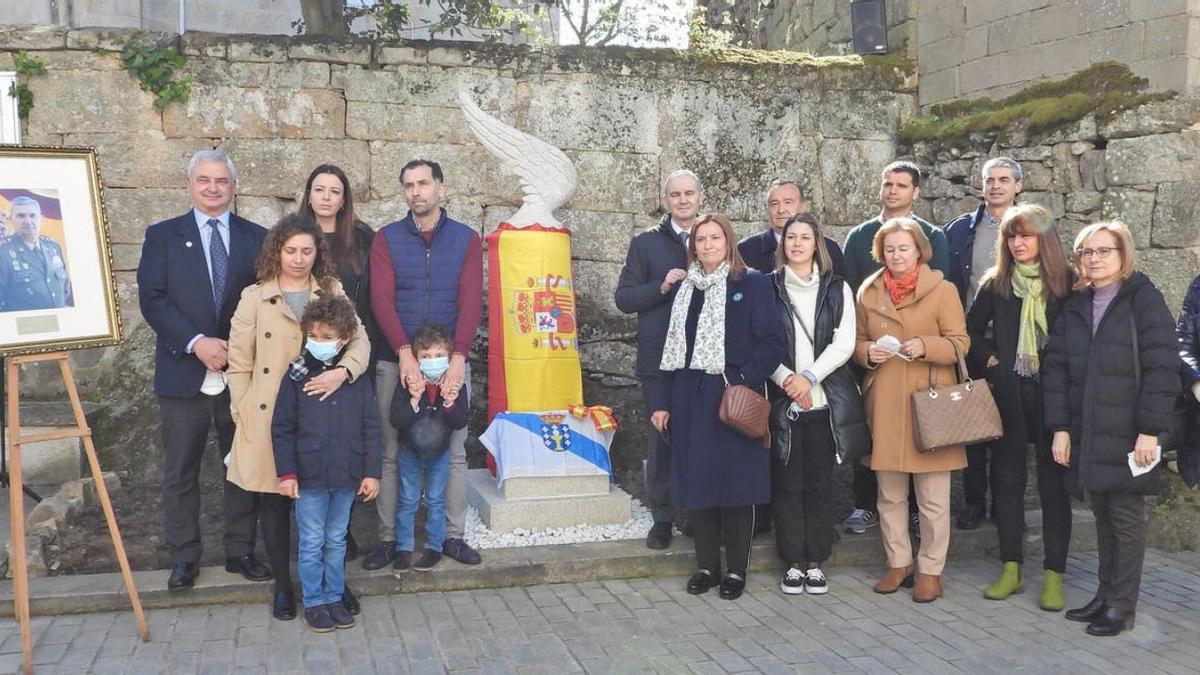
x=547 y=175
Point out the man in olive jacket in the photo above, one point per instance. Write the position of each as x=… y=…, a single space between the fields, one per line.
x=654 y=266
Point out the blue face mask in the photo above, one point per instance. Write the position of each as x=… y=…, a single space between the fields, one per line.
x=434 y=367
x=322 y=351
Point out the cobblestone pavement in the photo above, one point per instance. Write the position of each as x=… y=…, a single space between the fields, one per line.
x=652 y=625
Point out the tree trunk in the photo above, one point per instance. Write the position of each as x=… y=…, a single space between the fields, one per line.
x=324 y=17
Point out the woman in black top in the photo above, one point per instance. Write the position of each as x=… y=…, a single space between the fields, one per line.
x=1109 y=383
x=329 y=200
x=1019 y=299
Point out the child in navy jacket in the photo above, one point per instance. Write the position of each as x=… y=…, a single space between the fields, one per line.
x=327 y=449
x=424 y=416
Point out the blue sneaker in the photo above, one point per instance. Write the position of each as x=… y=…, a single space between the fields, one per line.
x=861 y=519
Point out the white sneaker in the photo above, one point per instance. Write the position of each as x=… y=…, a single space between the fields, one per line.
x=814 y=582
x=793 y=580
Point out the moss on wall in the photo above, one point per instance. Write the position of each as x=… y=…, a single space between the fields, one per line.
x=1104 y=89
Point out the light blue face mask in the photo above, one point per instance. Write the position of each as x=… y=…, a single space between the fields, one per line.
x=322 y=351
x=434 y=367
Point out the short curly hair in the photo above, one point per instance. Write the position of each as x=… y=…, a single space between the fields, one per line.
x=269 y=262
x=334 y=311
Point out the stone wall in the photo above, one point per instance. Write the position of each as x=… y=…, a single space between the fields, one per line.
x=969 y=48
x=626 y=117
x=823 y=26
x=1143 y=167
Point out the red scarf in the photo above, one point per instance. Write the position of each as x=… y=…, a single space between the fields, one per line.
x=900 y=289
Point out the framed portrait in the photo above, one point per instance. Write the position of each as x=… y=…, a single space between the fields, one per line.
x=57 y=289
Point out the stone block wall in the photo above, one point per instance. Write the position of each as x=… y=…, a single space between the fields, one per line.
x=823 y=26
x=971 y=48
x=627 y=118
x=1143 y=167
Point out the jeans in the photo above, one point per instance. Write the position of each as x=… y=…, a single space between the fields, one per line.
x=387 y=373
x=436 y=472
x=321 y=519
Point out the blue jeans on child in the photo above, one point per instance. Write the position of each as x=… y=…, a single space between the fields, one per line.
x=437 y=473
x=321 y=519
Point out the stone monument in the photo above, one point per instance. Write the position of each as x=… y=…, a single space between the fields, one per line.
x=557 y=472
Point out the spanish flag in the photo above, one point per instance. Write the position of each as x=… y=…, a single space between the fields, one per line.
x=533 y=348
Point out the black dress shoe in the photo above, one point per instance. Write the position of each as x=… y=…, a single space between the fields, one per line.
x=659 y=536
x=701 y=581
x=461 y=551
x=732 y=586
x=1088 y=612
x=351 y=547
x=350 y=602
x=249 y=567
x=183 y=575
x=284 y=606
x=381 y=556
x=1111 y=621
x=971 y=518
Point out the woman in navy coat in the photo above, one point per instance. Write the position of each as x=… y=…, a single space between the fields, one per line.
x=723 y=328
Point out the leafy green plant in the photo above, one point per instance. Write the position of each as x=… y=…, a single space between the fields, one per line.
x=156 y=66
x=28 y=66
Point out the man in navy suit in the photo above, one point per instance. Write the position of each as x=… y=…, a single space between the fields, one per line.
x=190 y=278
x=784 y=200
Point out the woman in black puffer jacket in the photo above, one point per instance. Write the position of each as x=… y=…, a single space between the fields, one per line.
x=1110 y=378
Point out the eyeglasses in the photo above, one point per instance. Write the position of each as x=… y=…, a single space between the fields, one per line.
x=1099 y=253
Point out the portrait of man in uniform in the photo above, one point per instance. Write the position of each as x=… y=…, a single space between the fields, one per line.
x=33 y=268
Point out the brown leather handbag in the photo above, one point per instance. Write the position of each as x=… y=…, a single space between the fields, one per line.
x=746 y=411
x=961 y=414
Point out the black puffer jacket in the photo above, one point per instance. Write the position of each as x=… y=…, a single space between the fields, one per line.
x=1188 y=331
x=1090 y=384
x=851 y=438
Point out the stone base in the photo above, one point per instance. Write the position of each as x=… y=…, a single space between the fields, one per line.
x=505 y=513
x=49 y=462
x=553 y=486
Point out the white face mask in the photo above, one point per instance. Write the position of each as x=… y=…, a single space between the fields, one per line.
x=322 y=351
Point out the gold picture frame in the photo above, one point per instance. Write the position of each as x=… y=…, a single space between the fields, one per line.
x=57 y=288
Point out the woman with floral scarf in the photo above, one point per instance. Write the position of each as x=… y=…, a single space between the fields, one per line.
x=723 y=330
x=1019 y=299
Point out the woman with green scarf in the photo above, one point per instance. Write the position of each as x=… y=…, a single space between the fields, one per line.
x=1019 y=299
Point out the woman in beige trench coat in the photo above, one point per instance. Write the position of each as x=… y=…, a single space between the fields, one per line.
x=913 y=303
x=294 y=267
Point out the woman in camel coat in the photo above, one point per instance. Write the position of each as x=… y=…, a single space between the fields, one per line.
x=912 y=302
x=294 y=267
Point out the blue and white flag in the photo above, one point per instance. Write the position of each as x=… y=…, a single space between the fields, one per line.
x=551 y=443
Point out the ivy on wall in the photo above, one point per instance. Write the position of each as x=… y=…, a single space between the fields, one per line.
x=26 y=66
x=156 y=67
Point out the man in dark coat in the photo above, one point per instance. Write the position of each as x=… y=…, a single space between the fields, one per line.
x=971 y=239
x=190 y=278
x=654 y=266
x=1188 y=331
x=784 y=200
x=899 y=187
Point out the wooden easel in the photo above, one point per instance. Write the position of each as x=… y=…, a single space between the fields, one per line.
x=16 y=495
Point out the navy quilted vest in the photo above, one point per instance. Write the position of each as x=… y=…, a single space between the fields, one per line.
x=427 y=276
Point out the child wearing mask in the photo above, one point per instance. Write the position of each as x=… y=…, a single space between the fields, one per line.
x=424 y=416
x=327 y=450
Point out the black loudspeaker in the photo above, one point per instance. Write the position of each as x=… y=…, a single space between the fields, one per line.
x=868 y=23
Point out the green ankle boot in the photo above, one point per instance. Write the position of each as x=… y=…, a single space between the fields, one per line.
x=1009 y=582
x=1052 y=592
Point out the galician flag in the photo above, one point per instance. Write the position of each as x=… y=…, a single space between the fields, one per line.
x=550 y=443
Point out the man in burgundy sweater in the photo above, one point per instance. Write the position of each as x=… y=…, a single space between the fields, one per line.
x=426 y=269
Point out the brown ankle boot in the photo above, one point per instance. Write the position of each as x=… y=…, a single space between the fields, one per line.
x=928 y=588
x=894 y=579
